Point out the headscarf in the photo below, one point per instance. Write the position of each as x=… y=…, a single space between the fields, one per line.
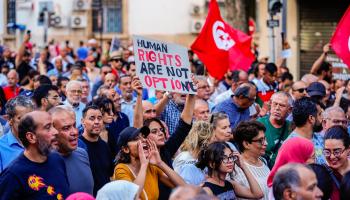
x=118 y=190
x=293 y=150
x=80 y=196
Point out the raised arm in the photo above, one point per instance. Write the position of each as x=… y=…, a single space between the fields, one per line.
x=317 y=64
x=22 y=49
x=141 y=176
x=138 y=111
x=160 y=106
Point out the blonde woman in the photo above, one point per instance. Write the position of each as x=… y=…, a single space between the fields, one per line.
x=200 y=136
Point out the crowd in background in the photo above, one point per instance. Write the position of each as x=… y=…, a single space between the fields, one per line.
x=77 y=123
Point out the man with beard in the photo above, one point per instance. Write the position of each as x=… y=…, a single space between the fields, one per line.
x=128 y=101
x=74 y=91
x=46 y=96
x=10 y=144
x=99 y=153
x=277 y=127
x=36 y=173
x=307 y=117
x=74 y=157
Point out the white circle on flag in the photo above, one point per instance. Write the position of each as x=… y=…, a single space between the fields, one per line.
x=221 y=38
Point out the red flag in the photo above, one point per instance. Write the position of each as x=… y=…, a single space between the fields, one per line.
x=341 y=39
x=220 y=47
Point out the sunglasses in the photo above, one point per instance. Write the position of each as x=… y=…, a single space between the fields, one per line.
x=300 y=90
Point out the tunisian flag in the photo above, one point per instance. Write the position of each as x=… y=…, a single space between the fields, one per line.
x=341 y=39
x=220 y=47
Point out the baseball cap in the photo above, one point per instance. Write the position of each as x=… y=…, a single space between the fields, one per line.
x=115 y=55
x=316 y=89
x=130 y=133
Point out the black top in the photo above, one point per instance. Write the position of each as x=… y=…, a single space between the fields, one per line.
x=114 y=130
x=22 y=70
x=225 y=192
x=100 y=162
x=168 y=151
x=24 y=179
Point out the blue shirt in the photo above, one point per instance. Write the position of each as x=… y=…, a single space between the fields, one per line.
x=235 y=114
x=10 y=148
x=171 y=115
x=78 y=111
x=128 y=109
x=82 y=53
x=318 y=142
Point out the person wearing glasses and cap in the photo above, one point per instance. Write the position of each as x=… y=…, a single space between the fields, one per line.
x=237 y=107
x=116 y=63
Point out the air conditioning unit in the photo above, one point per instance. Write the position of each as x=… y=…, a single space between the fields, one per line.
x=196 y=9
x=78 y=21
x=57 y=21
x=81 y=5
x=196 y=25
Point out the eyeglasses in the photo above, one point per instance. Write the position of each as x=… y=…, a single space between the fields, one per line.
x=156 y=130
x=339 y=122
x=275 y=104
x=336 y=152
x=75 y=91
x=300 y=90
x=261 y=141
x=227 y=159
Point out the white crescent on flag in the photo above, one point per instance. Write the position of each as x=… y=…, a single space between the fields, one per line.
x=222 y=39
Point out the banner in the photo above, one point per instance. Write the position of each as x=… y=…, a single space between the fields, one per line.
x=340 y=70
x=163 y=66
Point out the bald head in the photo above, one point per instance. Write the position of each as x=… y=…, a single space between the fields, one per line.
x=299 y=90
x=149 y=111
x=201 y=110
x=110 y=80
x=12 y=78
x=309 y=78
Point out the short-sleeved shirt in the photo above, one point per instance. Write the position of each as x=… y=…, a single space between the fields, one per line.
x=235 y=114
x=10 y=93
x=123 y=172
x=79 y=172
x=273 y=134
x=317 y=140
x=171 y=115
x=10 y=148
x=25 y=180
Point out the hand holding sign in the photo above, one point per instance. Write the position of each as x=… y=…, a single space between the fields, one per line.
x=163 y=66
x=136 y=85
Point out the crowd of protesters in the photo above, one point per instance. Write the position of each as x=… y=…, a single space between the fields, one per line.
x=77 y=124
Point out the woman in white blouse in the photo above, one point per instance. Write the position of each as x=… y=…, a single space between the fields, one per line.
x=250 y=139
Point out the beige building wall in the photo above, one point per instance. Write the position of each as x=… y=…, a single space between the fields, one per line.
x=263 y=34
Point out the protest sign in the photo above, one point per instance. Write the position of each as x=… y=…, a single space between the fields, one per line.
x=339 y=68
x=115 y=44
x=163 y=66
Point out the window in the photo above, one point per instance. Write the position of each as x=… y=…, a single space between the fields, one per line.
x=11 y=15
x=110 y=18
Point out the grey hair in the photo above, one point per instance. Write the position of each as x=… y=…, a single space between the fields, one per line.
x=100 y=89
x=326 y=114
x=18 y=101
x=71 y=83
x=287 y=177
x=62 y=109
x=216 y=117
x=202 y=78
x=286 y=94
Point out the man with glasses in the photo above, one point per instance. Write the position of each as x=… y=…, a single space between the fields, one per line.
x=203 y=90
x=116 y=63
x=74 y=91
x=333 y=116
x=46 y=97
x=237 y=107
x=277 y=126
x=298 y=90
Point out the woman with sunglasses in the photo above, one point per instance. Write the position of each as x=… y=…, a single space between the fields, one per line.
x=336 y=150
x=219 y=160
x=251 y=141
x=139 y=162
